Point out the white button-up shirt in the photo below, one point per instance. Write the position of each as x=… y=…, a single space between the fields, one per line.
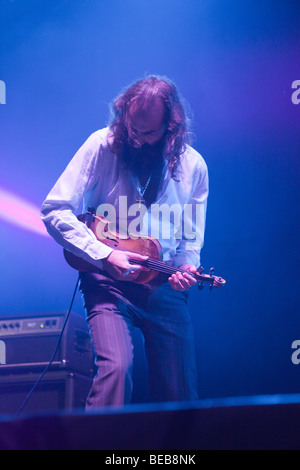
x=96 y=177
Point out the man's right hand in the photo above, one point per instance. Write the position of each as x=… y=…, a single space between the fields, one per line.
x=118 y=266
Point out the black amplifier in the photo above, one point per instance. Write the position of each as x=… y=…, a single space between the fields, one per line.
x=27 y=342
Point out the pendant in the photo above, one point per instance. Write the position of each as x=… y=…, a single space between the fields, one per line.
x=140 y=201
x=142 y=191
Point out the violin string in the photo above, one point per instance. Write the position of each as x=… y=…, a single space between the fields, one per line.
x=162 y=266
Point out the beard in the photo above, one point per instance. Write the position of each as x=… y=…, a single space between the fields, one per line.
x=144 y=159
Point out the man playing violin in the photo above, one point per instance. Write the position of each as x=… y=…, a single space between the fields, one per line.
x=144 y=155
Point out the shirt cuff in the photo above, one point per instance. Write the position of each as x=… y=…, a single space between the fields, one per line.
x=96 y=253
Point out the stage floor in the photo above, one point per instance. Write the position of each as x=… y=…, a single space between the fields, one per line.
x=269 y=422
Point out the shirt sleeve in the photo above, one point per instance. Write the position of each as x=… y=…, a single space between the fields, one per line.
x=193 y=220
x=59 y=208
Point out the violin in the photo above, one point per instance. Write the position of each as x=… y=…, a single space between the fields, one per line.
x=136 y=243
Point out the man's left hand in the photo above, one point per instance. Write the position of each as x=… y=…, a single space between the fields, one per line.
x=183 y=281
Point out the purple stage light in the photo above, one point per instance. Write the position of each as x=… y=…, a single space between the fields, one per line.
x=20 y=212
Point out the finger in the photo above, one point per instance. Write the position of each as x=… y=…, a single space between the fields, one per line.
x=191 y=279
x=135 y=267
x=137 y=256
x=175 y=285
x=218 y=283
x=192 y=269
x=130 y=275
x=132 y=269
x=184 y=279
x=178 y=282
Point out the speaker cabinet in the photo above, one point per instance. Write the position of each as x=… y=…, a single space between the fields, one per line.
x=58 y=390
x=28 y=342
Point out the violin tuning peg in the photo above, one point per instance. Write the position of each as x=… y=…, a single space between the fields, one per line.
x=201 y=286
x=211 y=271
x=200 y=270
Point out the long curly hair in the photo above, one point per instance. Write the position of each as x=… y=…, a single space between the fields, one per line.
x=140 y=95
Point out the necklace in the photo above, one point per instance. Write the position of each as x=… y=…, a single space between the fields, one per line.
x=141 y=190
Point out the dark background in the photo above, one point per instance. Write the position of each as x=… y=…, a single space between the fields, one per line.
x=234 y=62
